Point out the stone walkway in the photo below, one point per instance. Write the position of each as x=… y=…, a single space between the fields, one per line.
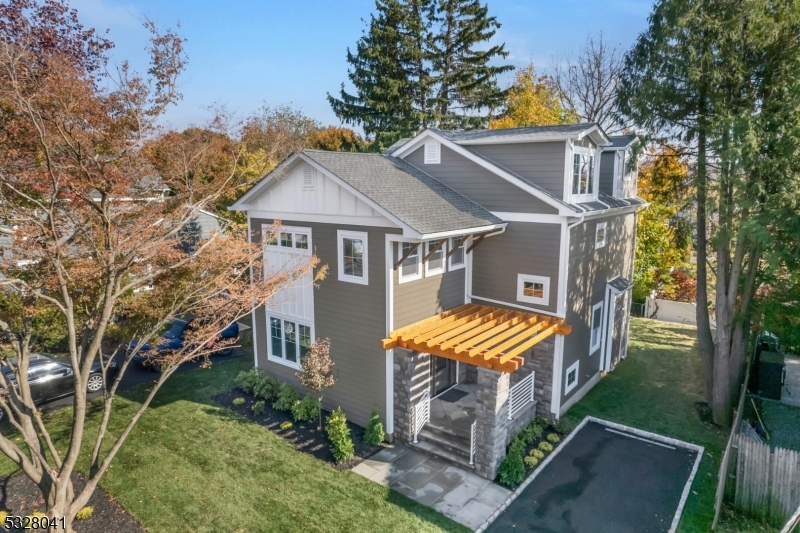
x=461 y=495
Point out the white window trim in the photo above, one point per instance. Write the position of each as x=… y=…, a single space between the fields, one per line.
x=594 y=347
x=412 y=277
x=343 y=234
x=576 y=367
x=436 y=158
x=433 y=271
x=281 y=360
x=597 y=228
x=450 y=266
x=293 y=230
x=544 y=280
x=581 y=198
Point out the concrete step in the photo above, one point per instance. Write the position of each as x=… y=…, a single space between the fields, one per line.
x=446 y=443
x=452 y=433
x=440 y=453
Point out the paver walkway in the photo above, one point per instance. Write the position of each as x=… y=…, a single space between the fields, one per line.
x=461 y=495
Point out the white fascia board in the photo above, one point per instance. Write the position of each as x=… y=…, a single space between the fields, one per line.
x=467 y=231
x=242 y=203
x=591 y=215
x=417 y=141
x=538 y=218
x=601 y=139
x=380 y=222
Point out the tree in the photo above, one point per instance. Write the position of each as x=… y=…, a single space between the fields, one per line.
x=317 y=373
x=337 y=139
x=722 y=77
x=417 y=66
x=532 y=101
x=274 y=133
x=82 y=171
x=587 y=84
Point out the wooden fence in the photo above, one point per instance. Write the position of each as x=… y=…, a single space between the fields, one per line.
x=761 y=483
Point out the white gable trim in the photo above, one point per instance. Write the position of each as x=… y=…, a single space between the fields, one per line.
x=417 y=141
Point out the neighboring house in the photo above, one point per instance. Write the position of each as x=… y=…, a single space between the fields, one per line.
x=476 y=279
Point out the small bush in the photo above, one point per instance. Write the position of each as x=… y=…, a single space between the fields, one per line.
x=373 y=435
x=339 y=435
x=563 y=426
x=248 y=379
x=84 y=513
x=28 y=522
x=268 y=388
x=3 y=515
x=287 y=396
x=259 y=408
x=238 y=401
x=305 y=410
x=527 y=434
x=517 y=446
x=552 y=437
x=531 y=461
x=286 y=425
x=545 y=446
x=536 y=452
x=512 y=469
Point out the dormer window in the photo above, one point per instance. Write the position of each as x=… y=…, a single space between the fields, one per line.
x=583 y=174
x=432 y=153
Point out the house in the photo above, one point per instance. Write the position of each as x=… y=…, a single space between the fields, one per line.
x=477 y=278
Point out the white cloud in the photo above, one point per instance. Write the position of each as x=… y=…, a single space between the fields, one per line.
x=102 y=15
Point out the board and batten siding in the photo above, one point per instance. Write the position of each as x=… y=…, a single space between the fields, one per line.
x=425 y=297
x=588 y=272
x=351 y=315
x=483 y=187
x=524 y=248
x=542 y=163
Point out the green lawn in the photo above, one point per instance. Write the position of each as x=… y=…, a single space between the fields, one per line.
x=656 y=389
x=195 y=467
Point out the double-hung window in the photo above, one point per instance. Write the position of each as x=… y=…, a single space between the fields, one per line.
x=435 y=263
x=289 y=340
x=411 y=269
x=583 y=175
x=458 y=255
x=596 y=323
x=353 y=266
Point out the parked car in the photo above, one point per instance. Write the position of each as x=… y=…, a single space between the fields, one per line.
x=50 y=377
x=172 y=339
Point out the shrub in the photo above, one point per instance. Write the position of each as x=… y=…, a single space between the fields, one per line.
x=84 y=513
x=238 y=401
x=3 y=515
x=536 y=452
x=287 y=396
x=554 y=438
x=373 y=435
x=545 y=446
x=512 y=469
x=563 y=426
x=267 y=388
x=339 y=435
x=29 y=523
x=527 y=434
x=305 y=410
x=286 y=425
x=259 y=408
x=531 y=461
x=248 y=379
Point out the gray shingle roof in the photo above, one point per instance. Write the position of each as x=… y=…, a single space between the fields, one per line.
x=415 y=198
x=531 y=133
x=397 y=144
x=620 y=141
x=620 y=283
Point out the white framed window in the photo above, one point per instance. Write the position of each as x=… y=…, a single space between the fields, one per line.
x=533 y=289
x=435 y=263
x=289 y=340
x=458 y=259
x=353 y=260
x=297 y=240
x=596 y=327
x=308 y=178
x=411 y=269
x=600 y=235
x=583 y=175
x=432 y=153
x=571 y=377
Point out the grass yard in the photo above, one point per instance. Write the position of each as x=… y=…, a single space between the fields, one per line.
x=658 y=388
x=191 y=466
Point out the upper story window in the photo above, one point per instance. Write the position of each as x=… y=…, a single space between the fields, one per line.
x=583 y=174
x=411 y=268
x=432 y=153
x=353 y=266
x=600 y=235
x=458 y=254
x=435 y=263
x=533 y=289
x=291 y=239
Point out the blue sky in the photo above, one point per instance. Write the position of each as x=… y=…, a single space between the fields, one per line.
x=243 y=54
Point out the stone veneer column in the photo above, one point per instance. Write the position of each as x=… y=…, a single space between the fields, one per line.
x=540 y=360
x=411 y=380
x=491 y=414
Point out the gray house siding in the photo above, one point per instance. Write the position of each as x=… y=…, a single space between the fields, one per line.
x=423 y=298
x=589 y=270
x=607 y=173
x=352 y=316
x=542 y=163
x=524 y=248
x=478 y=184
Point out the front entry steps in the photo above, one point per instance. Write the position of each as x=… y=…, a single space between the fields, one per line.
x=445 y=444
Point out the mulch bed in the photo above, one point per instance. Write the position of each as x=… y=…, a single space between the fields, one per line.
x=303 y=436
x=529 y=471
x=19 y=496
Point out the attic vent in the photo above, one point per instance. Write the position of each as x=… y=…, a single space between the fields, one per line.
x=432 y=153
x=308 y=178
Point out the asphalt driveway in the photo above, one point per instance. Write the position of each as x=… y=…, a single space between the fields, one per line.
x=603 y=480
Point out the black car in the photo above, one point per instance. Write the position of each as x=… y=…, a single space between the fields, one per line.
x=172 y=340
x=51 y=377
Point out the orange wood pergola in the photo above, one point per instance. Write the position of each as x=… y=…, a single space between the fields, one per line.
x=480 y=335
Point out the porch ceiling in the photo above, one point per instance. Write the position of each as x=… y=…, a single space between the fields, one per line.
x=480 y=335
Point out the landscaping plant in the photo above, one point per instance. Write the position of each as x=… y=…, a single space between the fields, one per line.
x=85 y=513
x=286 y=425
x=259 y=408
x=545 y=447
x=554 y=438
x=512 y=469
x=531 y=461
x=287 y=396
x=536 y=452
x=267 y=388
x=317 y=374
x=248 y=379
x=305 y=410
x=339 y=435
x=238 y=401
x=374 y=434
